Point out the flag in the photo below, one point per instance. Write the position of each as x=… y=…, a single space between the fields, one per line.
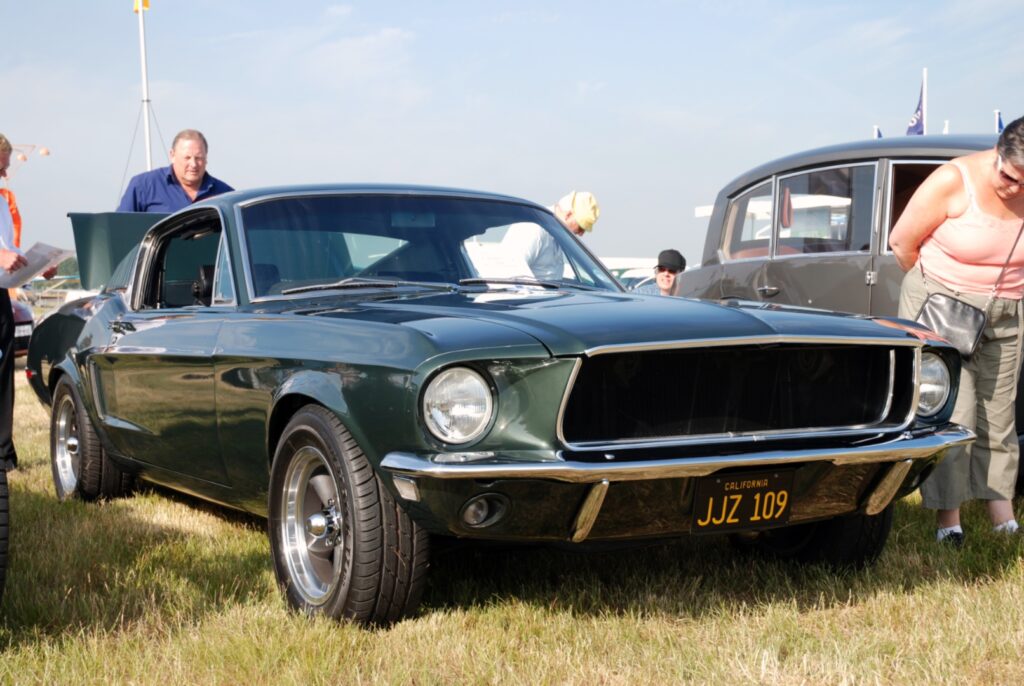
x=999 y=122
x=145 y=6
x=916 y=125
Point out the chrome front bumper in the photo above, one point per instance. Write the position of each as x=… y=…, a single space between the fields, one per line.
x=906 y=446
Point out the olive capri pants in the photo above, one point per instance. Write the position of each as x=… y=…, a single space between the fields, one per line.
x=986 y=470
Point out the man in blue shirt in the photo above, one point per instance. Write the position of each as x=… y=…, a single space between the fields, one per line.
x=172 y=188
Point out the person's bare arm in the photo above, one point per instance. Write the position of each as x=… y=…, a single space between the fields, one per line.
x=930 y=205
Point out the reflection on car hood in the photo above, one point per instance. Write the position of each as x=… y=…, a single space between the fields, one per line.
x=569 y=323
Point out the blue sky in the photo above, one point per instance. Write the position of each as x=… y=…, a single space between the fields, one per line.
x=653 y=105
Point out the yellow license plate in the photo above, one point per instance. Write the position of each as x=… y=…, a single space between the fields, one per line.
x=742 y=502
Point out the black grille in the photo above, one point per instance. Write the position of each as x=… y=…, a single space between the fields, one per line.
x=748 y=389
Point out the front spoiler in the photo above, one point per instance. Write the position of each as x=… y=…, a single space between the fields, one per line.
x=909 y=445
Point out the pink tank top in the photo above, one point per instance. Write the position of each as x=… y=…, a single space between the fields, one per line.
x=966 y=253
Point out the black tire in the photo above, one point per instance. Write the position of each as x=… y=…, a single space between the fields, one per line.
x=850 y=541
x=80 y=466
x=5 y=524
x=341 y=545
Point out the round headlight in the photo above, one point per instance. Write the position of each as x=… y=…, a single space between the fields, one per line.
x=934 y=385
x=457 y=405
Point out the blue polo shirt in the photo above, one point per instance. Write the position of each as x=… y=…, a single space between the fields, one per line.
x=159 y=191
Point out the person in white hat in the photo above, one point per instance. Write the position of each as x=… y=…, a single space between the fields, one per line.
x=577 y=211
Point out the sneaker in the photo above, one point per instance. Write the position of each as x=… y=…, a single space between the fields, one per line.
x=954 y=539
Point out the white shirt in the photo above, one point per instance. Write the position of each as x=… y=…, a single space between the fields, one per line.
x=537 y=248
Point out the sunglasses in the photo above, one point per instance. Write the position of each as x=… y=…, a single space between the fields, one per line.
x=1004 y=177
x=666 y=269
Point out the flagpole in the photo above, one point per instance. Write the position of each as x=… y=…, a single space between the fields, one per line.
x=145 y=82
x=924 y=100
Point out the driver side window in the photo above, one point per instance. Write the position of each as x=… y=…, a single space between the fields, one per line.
x=181 y=269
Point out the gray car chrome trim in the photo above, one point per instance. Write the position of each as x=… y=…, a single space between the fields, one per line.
x=904 y=446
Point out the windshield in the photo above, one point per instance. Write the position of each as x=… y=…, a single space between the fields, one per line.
x=300 y=242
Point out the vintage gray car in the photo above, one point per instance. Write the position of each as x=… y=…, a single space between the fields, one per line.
x=365 y=367
x=812 y=229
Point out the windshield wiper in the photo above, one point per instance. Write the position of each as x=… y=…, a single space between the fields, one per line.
x=350 y=282
x=509 y=282
x=513 y=281
x=366 y=282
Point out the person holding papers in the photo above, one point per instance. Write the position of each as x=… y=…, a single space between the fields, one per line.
x=11 y=260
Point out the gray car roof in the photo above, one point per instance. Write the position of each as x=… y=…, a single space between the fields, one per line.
x=905 y=147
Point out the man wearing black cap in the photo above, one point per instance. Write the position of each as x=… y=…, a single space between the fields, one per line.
x=670 y=263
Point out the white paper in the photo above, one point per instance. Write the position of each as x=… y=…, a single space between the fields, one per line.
x=40 y=258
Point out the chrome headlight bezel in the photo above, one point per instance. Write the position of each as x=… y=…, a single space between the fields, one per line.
x=457 y=405
x=935 y=383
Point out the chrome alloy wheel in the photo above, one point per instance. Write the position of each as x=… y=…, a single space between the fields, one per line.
x=311 y=526
x=67 y=457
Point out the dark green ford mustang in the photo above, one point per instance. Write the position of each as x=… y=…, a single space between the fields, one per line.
x=369 y=367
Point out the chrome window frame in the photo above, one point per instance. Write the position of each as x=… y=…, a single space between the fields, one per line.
x=812 y=170
x=725 y=259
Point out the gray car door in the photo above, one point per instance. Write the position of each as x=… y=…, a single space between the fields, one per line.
x=823 y=236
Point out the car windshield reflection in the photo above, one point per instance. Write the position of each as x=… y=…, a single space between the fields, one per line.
x=298 y=244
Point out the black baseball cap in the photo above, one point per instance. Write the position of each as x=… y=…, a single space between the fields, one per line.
x=671 y=259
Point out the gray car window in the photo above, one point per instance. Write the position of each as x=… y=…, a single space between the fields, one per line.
x=827 y=210
x=749 y=224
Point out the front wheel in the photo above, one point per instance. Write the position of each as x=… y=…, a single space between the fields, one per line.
x=850 y=541
x=341 y=546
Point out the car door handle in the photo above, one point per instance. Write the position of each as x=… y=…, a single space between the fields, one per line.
x=768 y=291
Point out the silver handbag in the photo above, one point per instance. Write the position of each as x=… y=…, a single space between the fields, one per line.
x=960 y=323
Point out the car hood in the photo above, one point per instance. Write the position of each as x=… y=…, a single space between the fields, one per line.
x=571 y=323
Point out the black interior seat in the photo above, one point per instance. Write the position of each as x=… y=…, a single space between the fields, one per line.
x=202 y=287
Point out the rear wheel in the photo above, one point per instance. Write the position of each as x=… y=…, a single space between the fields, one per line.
x=341 y=545
x=81 y=468
x=849 y=541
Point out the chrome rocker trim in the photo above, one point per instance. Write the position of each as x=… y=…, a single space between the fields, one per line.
x=902 y=447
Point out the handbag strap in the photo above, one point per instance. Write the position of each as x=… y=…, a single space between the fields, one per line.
x=1007 y=263
x=992 y=294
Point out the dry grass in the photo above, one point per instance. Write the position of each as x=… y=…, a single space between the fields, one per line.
x=160 y=590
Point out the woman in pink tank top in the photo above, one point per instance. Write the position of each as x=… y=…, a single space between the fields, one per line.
x=954 y=237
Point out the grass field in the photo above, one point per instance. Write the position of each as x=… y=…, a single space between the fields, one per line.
x=160 y=590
